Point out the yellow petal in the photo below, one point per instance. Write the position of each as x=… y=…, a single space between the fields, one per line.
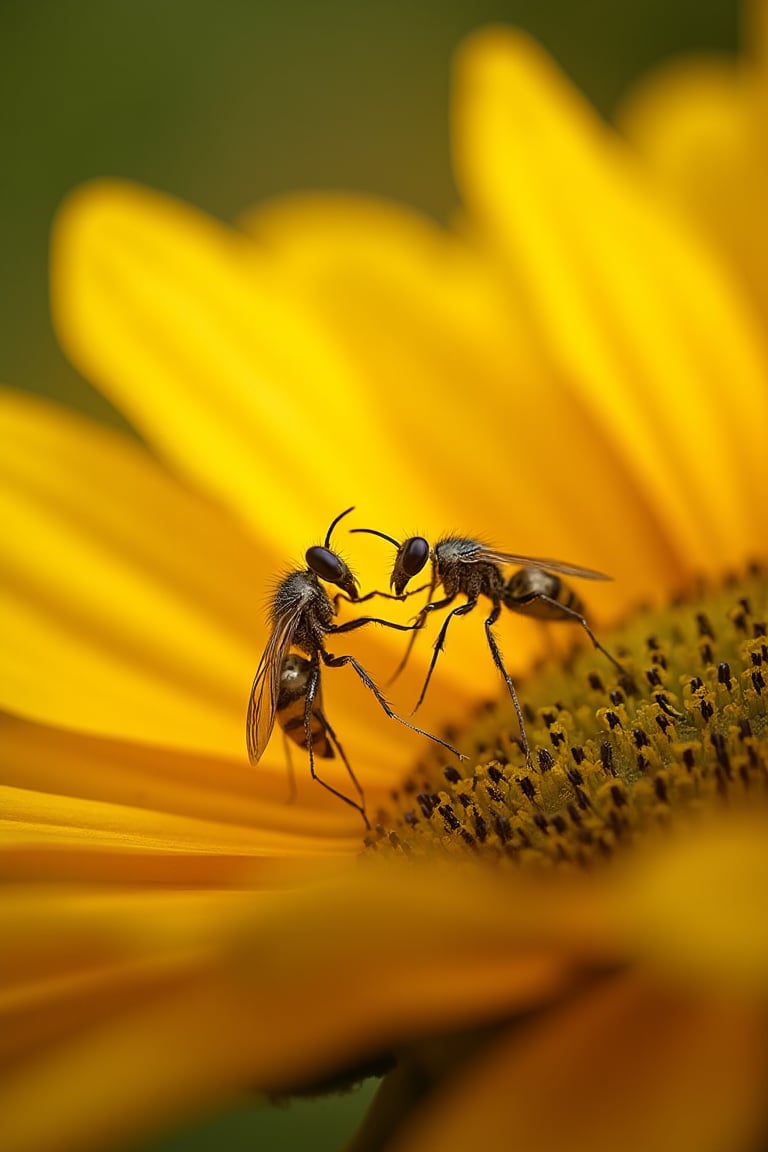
x=446 y=344
x=697 y=907
x=623 y=1065
x=55 y=931
x=421 y=316
x=281 y=994
x=637 y=317
x=128 y=602
x=700 y=127
x=86 y=839
x=86 y=809
x=220 y=366
x=65 y=945
x=81 y=776
x=198 y=341
x=134 y=608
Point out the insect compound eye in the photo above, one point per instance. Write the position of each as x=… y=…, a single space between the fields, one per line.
x=325 y=564
x=328 y=566
x=413 y=555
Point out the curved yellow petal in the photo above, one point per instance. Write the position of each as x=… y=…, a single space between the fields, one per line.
x=284 y=991
x=638 y=319
x=696 y=906
x=86 y=808
x=128 y=602
x=622 y=1065
x=197 y=340
x=35 y=826
x=446 y=344
x=133 y=608
x=53 y=930
x=700 y=126
x=74 y=956
x=222 y=368
x=71 y=766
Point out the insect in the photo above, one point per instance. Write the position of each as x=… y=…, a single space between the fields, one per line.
x=302 y=615
x=470 y=568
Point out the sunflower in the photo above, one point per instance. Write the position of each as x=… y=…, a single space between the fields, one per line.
x=549 y=956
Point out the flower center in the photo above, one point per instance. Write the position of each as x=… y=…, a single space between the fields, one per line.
x=685 y=729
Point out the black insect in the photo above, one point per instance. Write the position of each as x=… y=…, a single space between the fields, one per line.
x=470 y=568
x=302 y=615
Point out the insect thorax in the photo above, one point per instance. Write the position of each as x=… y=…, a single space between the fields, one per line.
x=459 y=574
x=303 y=591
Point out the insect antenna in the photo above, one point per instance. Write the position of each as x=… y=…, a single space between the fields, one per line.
x=375 y=532
x=340 y=516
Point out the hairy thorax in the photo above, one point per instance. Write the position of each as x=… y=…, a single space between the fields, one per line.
x=459 y=574
x=303 y=593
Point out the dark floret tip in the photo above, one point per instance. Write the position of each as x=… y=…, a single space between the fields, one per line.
x=682 y=726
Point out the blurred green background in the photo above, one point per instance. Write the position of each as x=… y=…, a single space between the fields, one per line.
x=223 y=102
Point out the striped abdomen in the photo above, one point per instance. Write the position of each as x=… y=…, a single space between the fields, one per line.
x=532 y=592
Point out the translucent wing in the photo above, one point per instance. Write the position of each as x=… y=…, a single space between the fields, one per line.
x=262 y=705
x=491 y=556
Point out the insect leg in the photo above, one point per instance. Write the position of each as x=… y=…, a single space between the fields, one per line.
x=570 y=614
x=291 y=773
x=312 y=686
x=498 y=661
x=342 y=754
x=350 y=625
x=420 y=621
x=440 y=642
x=384 y=595
x=340 y=661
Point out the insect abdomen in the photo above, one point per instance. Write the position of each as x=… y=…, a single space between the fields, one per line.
x=293 y=726
x=524 y=591
x=294 y=681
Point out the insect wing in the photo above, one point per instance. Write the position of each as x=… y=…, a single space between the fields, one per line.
x=262 y=706
x=491 y=556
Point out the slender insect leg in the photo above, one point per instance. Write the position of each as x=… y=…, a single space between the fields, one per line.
x=340 y=661
x=342 y=754
x=351 y=625
x=384 y=595
x=291 y=773
x=415 y=629
x=342 y=596
x=572 y=614
x=419 y=623
x=498 y=661
x=312 y=687
x=440 y=642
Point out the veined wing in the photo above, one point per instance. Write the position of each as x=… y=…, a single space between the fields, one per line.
x=492 y=556
x=262 y=705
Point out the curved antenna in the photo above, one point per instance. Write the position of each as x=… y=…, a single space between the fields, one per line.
x=340 y=516
x=375 y=532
